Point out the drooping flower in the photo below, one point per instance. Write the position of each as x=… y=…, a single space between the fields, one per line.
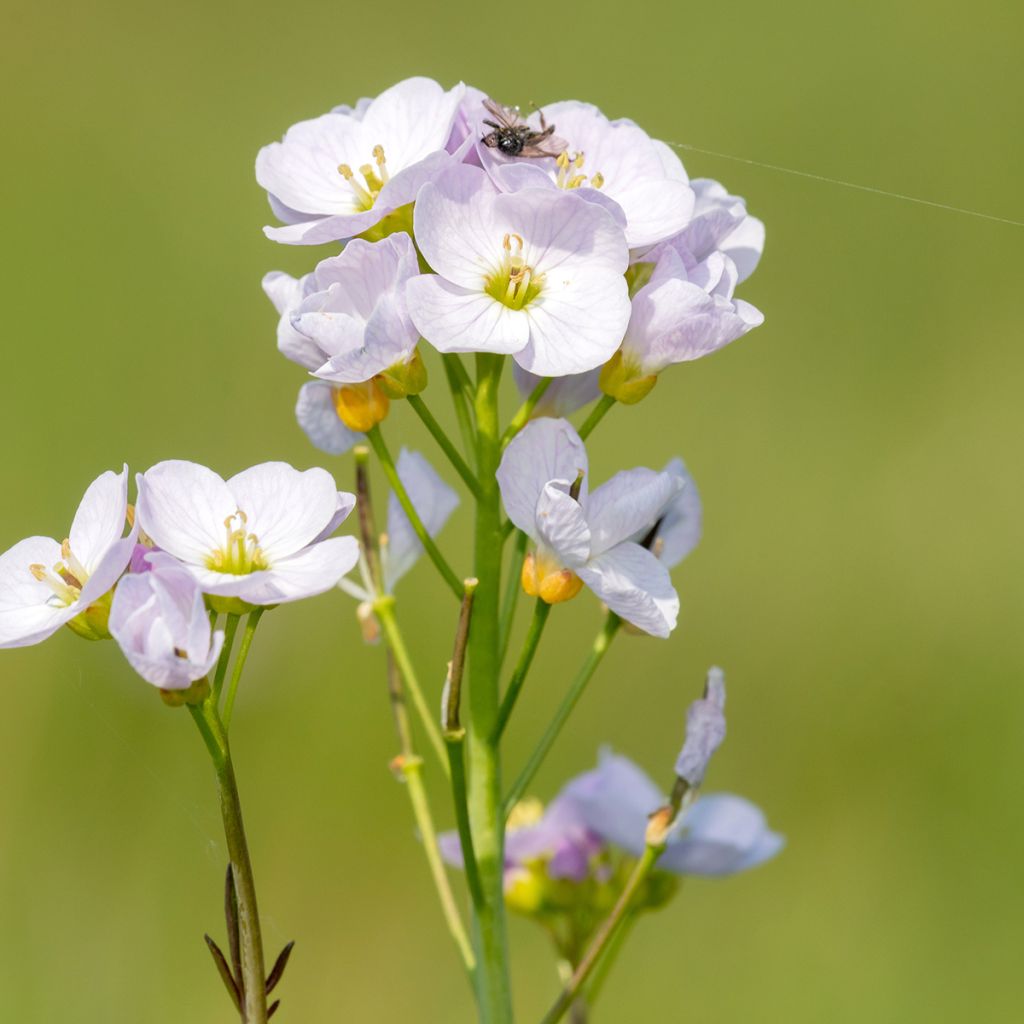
x=716 y=835
x=351 y=170
x=606 y=160
x=160 y=622
x=685 y=310
x=678 y=529
x=264 y=536
x=45 y=584
x=400 y=549
x=564 y=395
x=536 y=274
x=586 y=538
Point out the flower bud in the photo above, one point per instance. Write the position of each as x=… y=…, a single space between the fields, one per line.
x=404 y=379
x=92 y=623
x=624 y=382
x=361 y=406
x=550 y=582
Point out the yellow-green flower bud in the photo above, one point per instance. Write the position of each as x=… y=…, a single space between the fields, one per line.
x=624 y=382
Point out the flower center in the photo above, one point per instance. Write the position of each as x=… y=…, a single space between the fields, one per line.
x=66 y=578
x=569 y=176
x=515 y=283
x=374 y=179
x=241 y=553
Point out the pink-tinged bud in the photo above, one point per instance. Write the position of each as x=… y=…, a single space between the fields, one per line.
x=549 y=581
x=361 y=406
x=624 y=382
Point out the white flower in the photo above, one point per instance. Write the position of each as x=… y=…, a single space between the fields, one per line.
x=537 y=274
x=583 y=536
x=45 y=584
x=341 y=174
x=606 y=160
x=161 y=624
x=678 y=528
x=263 y=536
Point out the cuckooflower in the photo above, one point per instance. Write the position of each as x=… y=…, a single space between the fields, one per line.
x=347 y=172
x=606 y=160
x=161 y=624
x=536 y=274
x=264 y=536
x=45 y=584
x=678 y=529
x=716 y=835
x=683 y=312
x=585 y=537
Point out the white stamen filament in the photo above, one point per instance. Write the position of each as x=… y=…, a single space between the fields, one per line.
x=374 y=178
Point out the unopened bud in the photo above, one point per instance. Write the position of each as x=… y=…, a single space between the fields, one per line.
x=404 y=379
x=551 y=583
x=368 y=623
x=361 y=406
x=624 y=382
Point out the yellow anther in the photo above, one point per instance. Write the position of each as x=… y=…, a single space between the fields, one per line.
x=345 y=171
x=507 y=243
x=382 y=170
x=39 y=571
x=597 y=180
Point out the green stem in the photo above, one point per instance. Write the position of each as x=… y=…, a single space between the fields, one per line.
x=251 y=623
x=250 y=941
x=604 y=935
x=484 y=796
x=513 y=588
x=523 y=412
x=385 y=610
x=596 y=415
x=579 y=684
x=462 y=395
x=456 y=743
x=230 y=628
x=611 y=954
x=376 y=439
x=541 y=610
x=458 y=463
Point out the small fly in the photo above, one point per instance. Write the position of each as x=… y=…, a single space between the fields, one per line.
x=514 y=137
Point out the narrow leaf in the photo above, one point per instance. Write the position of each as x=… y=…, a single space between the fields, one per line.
x=273 y=1009
x=231 y=917
x=278 y=969
x=225 y=972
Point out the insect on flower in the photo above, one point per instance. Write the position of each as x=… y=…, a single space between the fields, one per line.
x=514 y=137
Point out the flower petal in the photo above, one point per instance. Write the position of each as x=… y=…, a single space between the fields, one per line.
x=628 y=504
x=564 y=395
x=100 y=519
x=318 y=417
x=636 y=586
x=27 y=615
x=680 y=527
x=561 y=525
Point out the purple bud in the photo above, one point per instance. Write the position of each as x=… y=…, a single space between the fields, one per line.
x=705 y=730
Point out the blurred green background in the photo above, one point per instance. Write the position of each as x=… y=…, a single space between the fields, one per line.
x=858 y=458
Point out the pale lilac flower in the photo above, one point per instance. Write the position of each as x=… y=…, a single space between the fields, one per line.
x=684 y=312
x=537 y=274
x=613 y=162
x=317 y=413
x=45 y=584
x=341 y=174
x=587 y=536
x=678 y=530
x=705 y=730
x=432 y=498
x=264 y=536
x=716 y=835
x=721 y=223
x=161 y=624
x=564 y=395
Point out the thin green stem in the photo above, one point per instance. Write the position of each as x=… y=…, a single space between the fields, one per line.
x=385 y=610
x=376 y=439
x=576 y=688
x=513 y=588
x=251 y=622
x=541 y=610
x=600 y=975
x=462 y=397
x=604 y=935
x=524 y=411
x=230 y=628
x=484 y=795
x=596 y=415
x=456 y=744
x=250 y=940
x=418 y=406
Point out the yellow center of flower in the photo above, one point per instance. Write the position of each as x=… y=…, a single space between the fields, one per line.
x=241 y=553
x=569 y=176
x=374 y=178
x=515 y=283
x=66 y=578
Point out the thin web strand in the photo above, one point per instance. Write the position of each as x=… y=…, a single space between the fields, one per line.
x=849 y=184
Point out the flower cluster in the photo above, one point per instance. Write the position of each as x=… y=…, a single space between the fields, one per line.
x=196 y=542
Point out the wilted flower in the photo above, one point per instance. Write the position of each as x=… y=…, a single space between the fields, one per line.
x=264 y=536
x=585 y=537
x=161 y=623
x=45 y=584
x=342 y=174
x=536 y=274
x=716 y=835
x=605 y=160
